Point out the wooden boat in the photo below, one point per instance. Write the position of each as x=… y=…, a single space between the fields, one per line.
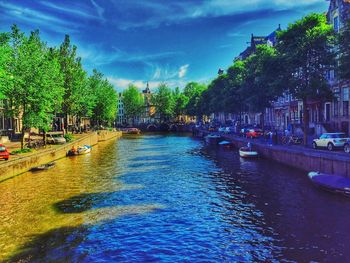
x=43 y=167
x=80 y=150
x=212 y=138
x=226 y=144
x=247 y=152
x=131 y=131
x=332 y=183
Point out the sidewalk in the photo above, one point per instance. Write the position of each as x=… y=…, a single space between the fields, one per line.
x=12 y=146
x=300 y=148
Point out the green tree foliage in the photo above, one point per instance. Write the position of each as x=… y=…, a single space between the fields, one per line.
x=344 y=52
x=164 y=102
x=259 y=85
x=78 y=99
x=105 y=104
x=181 y=101
x=193 y=91
x=133 y=103
x=36 y=90
x=5 y=59
x=306 y=54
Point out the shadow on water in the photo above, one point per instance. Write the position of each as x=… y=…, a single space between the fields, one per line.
x=81 y=203
x=57 y=245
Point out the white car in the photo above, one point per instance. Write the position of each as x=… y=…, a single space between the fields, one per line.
x=330 y=141
x=55 y=139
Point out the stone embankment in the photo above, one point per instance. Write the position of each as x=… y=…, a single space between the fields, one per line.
x=300 y=157
x=23 y=164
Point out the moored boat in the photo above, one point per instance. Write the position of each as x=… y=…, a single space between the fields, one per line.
x=212 y=138
x=80 y=150
x=84 y=149
x=131 y=131
x=226 y=144
x=247 y=152
x=332 y=183
x=43 y=167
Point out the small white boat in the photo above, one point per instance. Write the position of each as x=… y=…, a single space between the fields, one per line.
x=84 y=149
x=247 y=152
x=79 y=151
x=332 y=183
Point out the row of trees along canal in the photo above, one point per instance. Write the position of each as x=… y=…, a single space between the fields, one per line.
x=38 y=81
x=297 y=65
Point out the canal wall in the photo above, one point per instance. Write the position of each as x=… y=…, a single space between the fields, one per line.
x=298 y=156
x=107 y=135
x=306 y=160
x=23 y=164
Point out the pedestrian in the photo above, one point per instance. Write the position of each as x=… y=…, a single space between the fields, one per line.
x=270 y=137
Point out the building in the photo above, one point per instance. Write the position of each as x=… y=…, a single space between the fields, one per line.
x=9 y=126
x=336 y=112
x=121 y=120
x=149 y=111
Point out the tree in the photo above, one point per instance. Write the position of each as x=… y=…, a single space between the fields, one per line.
x=5 y=59
x=164 y=103
x=105 y=100
x=133 y=103
x=181 y=101
x=344 y=52
x=37 y=83
x=259 y=83
x=193 y=91
x=305 y=50
x=233 y=93
x=78 y=100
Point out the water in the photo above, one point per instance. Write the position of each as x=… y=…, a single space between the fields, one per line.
x=160 y=198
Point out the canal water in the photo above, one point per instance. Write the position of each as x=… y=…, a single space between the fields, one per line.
x=170 y=198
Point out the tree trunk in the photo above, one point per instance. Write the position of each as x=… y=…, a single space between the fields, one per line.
x=23 y=139
x=305 y=121
x=263 y=120
x=44 y=138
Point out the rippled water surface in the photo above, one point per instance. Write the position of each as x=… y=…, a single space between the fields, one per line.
x=170 y=198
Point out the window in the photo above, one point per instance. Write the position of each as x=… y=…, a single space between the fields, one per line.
x=346 y=94
x=335 y=109
x=345 y=108
x=336 y=24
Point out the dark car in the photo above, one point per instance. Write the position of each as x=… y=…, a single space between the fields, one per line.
x=4 y=154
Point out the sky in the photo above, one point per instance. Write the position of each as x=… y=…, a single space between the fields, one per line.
x=155 y=41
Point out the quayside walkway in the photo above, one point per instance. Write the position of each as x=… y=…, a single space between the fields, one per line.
x=298 y=156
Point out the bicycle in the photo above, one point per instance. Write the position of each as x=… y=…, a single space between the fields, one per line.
x=291 y=140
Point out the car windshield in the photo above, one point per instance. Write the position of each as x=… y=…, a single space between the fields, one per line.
x=2 y=149
x=339 y=135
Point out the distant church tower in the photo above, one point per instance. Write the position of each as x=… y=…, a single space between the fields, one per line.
x=147 y=90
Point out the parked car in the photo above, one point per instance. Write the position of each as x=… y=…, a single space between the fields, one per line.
x=229 y=130
x=244 y=131
x=4 y=154
x=347 y=146
x=55 y=139
x=222 y=129
x=254 y=133
x=331 y=141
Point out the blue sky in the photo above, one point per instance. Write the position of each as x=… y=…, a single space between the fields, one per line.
x=173 y=41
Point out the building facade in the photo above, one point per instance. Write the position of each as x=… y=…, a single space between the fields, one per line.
x=336 y=112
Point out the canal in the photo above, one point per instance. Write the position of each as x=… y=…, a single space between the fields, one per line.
x=170 y=198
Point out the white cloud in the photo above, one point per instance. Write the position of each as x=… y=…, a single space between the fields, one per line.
x=35 y=17
x=179 y=11
x=76 y=10
x=183 y=70
x=121 y=83
x=99 y=9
